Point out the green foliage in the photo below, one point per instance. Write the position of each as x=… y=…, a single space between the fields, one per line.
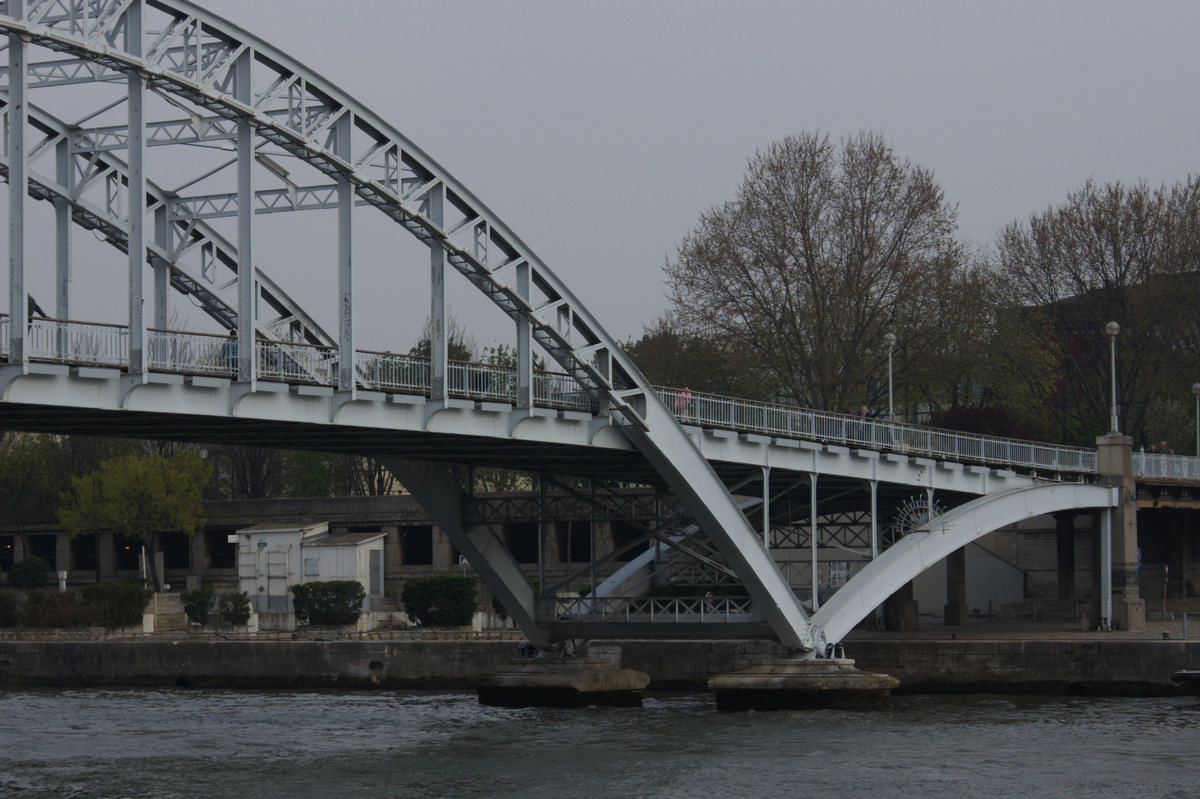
x=53 y=609
x=328 y=602
x=113 y=605
x=198 y=604
x=31 y=572
x=137 y=496
x=29 y=473
x=234 y=608
x=441 y=601
x=10 y=609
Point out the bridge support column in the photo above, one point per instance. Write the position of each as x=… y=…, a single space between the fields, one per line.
x=1064 y=530
x=1115 y=468
x=900 y=610
x=956 y=613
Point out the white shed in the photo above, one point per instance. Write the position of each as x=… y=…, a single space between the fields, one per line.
x=274 y=557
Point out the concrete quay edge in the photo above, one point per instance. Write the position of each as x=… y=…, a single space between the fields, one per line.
x=1110 y=664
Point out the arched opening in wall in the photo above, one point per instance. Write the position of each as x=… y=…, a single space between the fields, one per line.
x=84 y=555
x=624 y=534
x=574 y=541
x=416 y=545
x=522 y=541
x=220 y=551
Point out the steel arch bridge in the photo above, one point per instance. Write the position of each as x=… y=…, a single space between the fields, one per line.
x=138 y=75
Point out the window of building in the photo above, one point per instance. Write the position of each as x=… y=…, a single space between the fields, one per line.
x=623 y=533
x=416 y=545
x=522 y=541
x=46 y=548
x=7 y=549
x=222 y=554
x=128 y=551
x=176 y=549
x=84 y=557
x=574 y=541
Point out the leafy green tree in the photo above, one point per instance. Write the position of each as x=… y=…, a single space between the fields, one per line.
x=30 y=471
x=138 y=496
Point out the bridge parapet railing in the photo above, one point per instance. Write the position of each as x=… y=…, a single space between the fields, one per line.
x=557 y=390
x=654 y=609
x=789 y=421
x=481 y=381
x=1169 y=467
x=192 y=353
x=77 y=343
x=393 y=372
x=297 y=363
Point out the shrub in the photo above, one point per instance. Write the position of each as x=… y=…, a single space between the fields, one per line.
x=10 y=609
x=51 y=608
x=114 y=605
x=442 y=601
x=31 y=572
x=329 y=601
x=234 y=608
x=198 y=604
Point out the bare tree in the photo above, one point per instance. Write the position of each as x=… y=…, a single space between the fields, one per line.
x=1109 y=253
x=247 y=472
x=824 y=250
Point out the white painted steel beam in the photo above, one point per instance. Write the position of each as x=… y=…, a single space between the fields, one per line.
x=943 y=535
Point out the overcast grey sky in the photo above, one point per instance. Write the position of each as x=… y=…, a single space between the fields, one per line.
x=599 y=131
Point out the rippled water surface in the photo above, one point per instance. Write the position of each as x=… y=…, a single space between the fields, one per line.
x=181 y=744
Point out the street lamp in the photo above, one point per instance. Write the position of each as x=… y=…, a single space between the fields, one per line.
x=1112 y=329
x=890 y=340
x=1196 y=391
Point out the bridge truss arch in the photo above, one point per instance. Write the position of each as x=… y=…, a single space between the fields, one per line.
x=168 y=73
x=941 y=536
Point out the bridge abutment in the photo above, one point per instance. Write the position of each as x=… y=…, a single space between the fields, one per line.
x=1115 y=468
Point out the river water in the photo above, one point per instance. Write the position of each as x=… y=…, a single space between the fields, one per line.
x=188 y=744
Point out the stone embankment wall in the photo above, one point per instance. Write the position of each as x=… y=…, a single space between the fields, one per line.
x=1129 y=668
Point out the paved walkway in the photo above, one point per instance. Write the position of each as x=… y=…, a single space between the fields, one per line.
x=983 y=630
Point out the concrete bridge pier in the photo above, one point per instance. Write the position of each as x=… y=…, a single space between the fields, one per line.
x=1115 y=468
x=956 y=612
x=798 y=683
x=549 y=680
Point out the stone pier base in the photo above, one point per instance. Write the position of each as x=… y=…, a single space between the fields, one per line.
x=798 y=683
x=562 y=682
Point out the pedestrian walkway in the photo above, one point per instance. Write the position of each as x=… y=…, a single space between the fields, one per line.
x=982 y=630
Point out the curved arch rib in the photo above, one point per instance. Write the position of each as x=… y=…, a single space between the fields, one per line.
x=943 y=535
x=180 y=49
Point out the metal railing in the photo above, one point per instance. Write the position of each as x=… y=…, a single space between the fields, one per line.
x=192 y=353
x=710 y=410
x=82 y=343
x=1167 y=467
x=654 y=609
